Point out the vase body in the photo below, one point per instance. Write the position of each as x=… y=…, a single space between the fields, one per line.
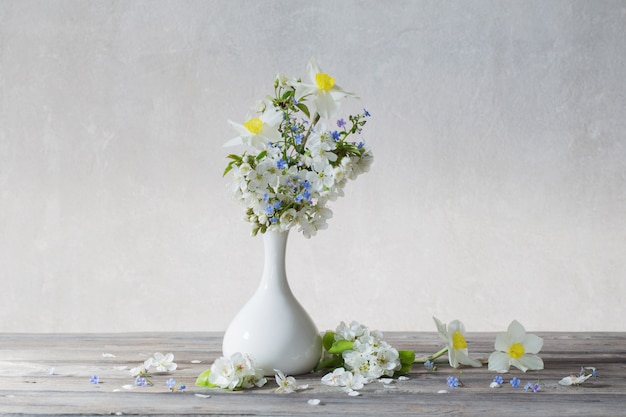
x=272 y=327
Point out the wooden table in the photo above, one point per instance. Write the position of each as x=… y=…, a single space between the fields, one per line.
x=49 y=374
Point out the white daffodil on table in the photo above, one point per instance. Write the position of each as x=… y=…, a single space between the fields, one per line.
x=257 y=131
x=516 y=348
x=327 y=94
x=454 y=337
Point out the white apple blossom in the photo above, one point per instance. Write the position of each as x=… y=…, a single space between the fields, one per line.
x=236 y=372
x=164 y=363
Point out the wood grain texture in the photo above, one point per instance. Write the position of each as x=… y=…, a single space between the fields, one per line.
x=28 y=387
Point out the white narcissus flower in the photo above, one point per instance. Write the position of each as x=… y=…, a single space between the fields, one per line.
x=516 y=348
x=327 y=94
x=257 y=131
x=454 y=337
x=164 y=363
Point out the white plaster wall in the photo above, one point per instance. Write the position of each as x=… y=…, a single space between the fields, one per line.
x=498 y=189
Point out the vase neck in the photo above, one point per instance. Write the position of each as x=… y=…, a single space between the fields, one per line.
x=274 y=272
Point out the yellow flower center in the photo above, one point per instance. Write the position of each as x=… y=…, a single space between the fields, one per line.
x=458 y=341
x=516 y=350
x=324 y=81
x=254 y=125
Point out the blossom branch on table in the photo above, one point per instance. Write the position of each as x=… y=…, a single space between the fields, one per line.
x=357 y=356
x=296 y=163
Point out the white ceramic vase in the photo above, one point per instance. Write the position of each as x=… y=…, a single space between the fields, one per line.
x=273 y=328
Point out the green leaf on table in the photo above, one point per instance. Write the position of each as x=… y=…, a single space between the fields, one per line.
x=340 y=346
x=203 y=379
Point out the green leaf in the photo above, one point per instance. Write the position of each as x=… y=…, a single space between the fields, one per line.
x=304 y=109
x=328 y=339
x=228 y=168
x=407 y=357
x=203 y=379
x=332 y=362
x=235 y=157
x=261 y=155
x=340 y=346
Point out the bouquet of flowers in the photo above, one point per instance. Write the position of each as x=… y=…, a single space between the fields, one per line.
x=295 y=163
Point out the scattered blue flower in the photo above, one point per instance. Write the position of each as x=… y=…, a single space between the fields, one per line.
x=281 y=163
x=306 y=184
x=360 y=145
x=366 y=113
x=141 y=381
x=336 y=135
x=430 y=365
x=341 y=123
x=498 y=379
x=453 y=381
x=266 y=197
x=95 y=379
x=182 y=388
x=532 y=387
x=269 y=209
x=515 y=382
x=298 y=198
x=171 y=383
x=298 y=138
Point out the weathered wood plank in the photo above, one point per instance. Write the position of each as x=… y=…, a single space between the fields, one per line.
x=28 y=387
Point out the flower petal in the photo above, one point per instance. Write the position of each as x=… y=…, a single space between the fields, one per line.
x=499 y=362
x=456 y=326
x=529 y=361
x=503 y=342
x=443 y=333
x=463 y=358
x=517 y=331
x=532 y=343
x=326 y=105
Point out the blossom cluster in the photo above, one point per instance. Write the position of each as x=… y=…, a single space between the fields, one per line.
x=359 y=355
x=234 y=373
x=296 y=162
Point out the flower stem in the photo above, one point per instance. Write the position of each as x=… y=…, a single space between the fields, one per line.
x=435 y=355
x=316 y=118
